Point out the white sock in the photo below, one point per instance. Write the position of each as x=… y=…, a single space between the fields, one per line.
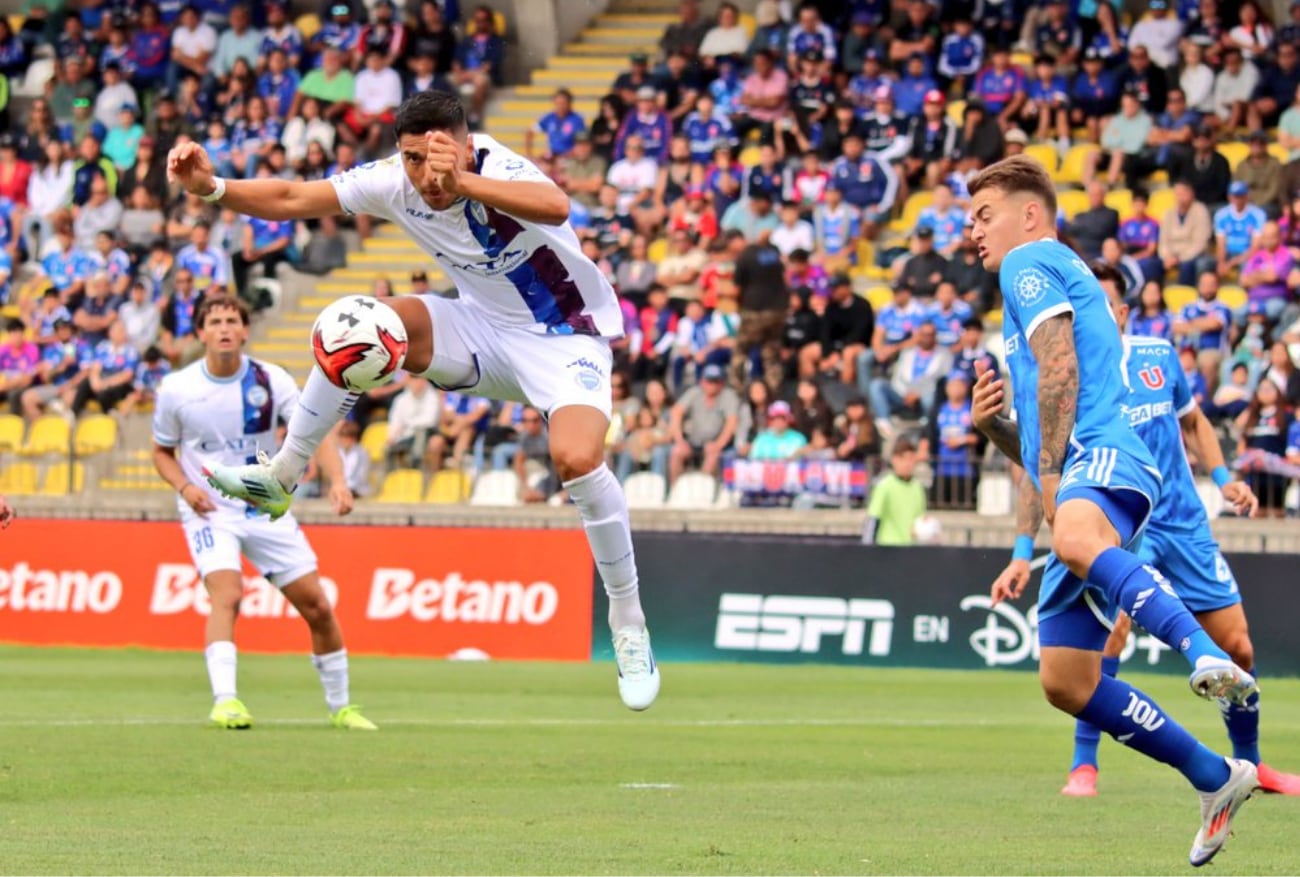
x=320 y=406
x=221 y=669
x=603 y=507
x=333 y=670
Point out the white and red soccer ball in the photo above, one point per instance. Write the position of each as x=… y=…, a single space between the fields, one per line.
x=359 y=343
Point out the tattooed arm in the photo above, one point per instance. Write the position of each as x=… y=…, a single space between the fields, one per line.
x=1058 y=397
x=1029 y=518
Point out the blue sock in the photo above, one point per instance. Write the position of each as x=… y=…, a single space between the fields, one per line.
x=1137 y=721
x=1243 y=727
x=1087 y=736
x=1150 y=601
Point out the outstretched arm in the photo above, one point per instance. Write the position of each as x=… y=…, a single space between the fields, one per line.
x=1058 y=398
x=277 y=200
x=532 y=200
x=1201 y=439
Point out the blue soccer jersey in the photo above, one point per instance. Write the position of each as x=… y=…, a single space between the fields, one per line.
x=1045 y=279
x=1159 y=395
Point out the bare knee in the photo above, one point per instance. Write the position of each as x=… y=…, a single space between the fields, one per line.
x=315 y=609
x=1239 y=647
x=1077 y=549
x=1069 y=695
x=574 y=461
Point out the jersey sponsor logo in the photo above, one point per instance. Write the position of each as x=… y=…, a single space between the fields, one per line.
x=1012 y=344
x=178 y=588
x=24 y=589
x=1030 y=286
x=1139 y=414
x=777 y=623
x=257 y=396
x=420 y=214
x=246 y=445
x=589 y=376
x=397 y=592
x=508 y=261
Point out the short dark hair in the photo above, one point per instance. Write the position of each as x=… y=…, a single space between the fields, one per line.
x=903 y=446
x=973 y=323
x=427 y=111
x=13 y=324
x=1108 y=273
x=152 y=354
x=1017 y=174
x=211 y=303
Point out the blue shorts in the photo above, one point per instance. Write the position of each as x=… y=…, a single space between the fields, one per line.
x=1072 y=612
x=1195 y=567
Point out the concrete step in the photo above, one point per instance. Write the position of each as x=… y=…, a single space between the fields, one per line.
x=561 y=62
x=286 y=333
x=621 y=50
x=568 y=78
x=535 y=91
x=536 y=107
x=621 y=34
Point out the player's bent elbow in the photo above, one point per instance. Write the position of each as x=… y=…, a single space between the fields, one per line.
x=555 y=209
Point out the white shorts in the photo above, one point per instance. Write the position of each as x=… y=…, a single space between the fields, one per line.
x=549 y=372
x=278 y=549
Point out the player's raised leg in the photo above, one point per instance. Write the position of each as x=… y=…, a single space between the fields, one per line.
x=577 y=434
x=328 y=654
x=225 y=589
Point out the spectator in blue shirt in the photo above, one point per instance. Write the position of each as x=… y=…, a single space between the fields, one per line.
x=946 y=219
x=649 y=122
x=726 y=89
x=205 y=262
x=178 y=317
x=951 y=445
x=863 y=87
x=60 y=366
x=113 y=261
x=1001 y=86
x=278 y=84
x=97 y=310
x=1151 y=318
x=1192 y=374
x=707 y=130
x=1058 y=36
x=961 y=55
x=150 y=49
x=867 y=183
x=149 y=372
x=65 y=264
x=267 y=243
x=111 y=373
x=1139 y=235
x=1047 y=111
x=479 y=61
x=909 y=92
x=949 y=314
x=1235 y=227
x=6 y=275
x=1205 y=324
x=338 y=32
x=1094 y=95
x=560 y=127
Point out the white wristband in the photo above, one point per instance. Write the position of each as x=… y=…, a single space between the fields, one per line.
x=217 y=193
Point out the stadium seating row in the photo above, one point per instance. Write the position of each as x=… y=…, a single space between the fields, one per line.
x=52 y=435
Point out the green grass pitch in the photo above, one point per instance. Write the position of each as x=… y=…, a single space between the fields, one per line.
x=106 y=766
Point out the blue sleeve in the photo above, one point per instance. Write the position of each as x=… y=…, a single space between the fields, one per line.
x=1184 y=401
x=1033 y=290
x=1293 y=438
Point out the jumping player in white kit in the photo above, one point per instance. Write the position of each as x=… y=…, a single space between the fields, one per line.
x=221 y=409
x=533 y=322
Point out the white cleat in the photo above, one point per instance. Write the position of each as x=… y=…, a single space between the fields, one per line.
x=1218 y=808
x=254 y=483
x=1217 y=679
x=638 y=675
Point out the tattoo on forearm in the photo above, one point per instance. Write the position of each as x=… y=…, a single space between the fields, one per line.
x=1029 y=508
x=1058 y=390
x=1004 y=433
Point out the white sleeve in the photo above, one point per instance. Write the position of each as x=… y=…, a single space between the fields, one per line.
x=502 y=164
x=371 y=188
x=166 y=416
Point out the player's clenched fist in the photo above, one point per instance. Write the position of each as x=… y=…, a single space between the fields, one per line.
x=189 y=165
x=445 y=158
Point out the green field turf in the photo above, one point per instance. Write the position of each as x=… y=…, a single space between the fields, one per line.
x=106 y=767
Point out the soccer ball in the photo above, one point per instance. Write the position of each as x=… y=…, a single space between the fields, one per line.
x=359 y=343
x=927 y=530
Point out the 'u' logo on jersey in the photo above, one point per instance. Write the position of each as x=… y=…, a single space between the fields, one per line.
x=1153 y=377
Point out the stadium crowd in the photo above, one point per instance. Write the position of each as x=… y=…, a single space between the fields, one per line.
x=779 y=200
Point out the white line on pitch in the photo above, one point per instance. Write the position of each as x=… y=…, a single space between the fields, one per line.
x=874 y=722
x=648 y=786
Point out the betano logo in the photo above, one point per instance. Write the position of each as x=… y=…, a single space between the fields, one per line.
x=397 y=592
x=23 y=589
x=776 y=623
x=177 y=588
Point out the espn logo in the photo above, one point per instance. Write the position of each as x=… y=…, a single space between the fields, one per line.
x=752 y=622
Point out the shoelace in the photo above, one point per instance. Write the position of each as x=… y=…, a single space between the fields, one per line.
x=634 y=656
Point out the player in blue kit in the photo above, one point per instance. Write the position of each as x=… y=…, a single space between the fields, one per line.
x=1098 y=485
x=1178 y=541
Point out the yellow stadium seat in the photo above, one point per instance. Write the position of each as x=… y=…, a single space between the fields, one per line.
x=1121 y=201
x=993 y=319
x=11 y=432
x=447 y=487
x=956 y=109
x=63 y=478
x=1071 y=202
x=916 y=202
x=402 y=485
x=1072 y=167
x=1023 y=60
x=1235 y=153
x=1161 y=201
x=1159 y=178
x=1233 y=296
x=18 y=479
x=309 y=25
x=15 y=22
x=375 y=440
x=49 y=434
x=94 y=435
x=879 y=296
x=749 y=156
x=749 y=23
x=1178 y=296
x=1046 y=155
x=657 y=251
x=1278 y=151
x=498 y=25
x=866 y=251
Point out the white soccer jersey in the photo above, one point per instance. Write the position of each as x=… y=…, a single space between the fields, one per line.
x=519 y=273
x=222 y=420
